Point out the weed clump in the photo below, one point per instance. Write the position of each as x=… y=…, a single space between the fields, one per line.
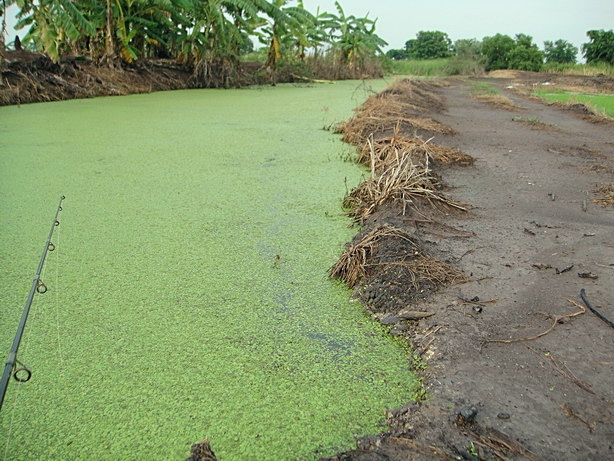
x=384 y=150
x=401 y=107
x=383 y=261
x=367 y=258
x=394 y=178
x=607 y=196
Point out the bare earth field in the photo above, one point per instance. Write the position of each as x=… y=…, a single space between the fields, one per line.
x=517 y=367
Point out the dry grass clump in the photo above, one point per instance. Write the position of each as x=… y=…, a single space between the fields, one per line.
x=357 y=129
x=535 y=124
x=352 y=264
x=449 y=155
x=486 y=92
x=398 y=179
x=586 y=111
x=424 y=269
x=497 y=100
x=603 y=168
x=607 y=193
x=504 y=73
x=389 y=148
x=400 y=174
x=397 y=108
x=417 y=94
x=360 y=258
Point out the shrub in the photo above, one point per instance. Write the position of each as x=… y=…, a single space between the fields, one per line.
x=600 y=48
x=560 y=51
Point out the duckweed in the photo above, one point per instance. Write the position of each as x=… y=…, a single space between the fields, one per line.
x=188 y=295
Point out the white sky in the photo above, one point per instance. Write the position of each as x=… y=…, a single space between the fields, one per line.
x=400 y=20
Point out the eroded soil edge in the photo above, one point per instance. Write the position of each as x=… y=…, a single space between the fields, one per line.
x=517 y=367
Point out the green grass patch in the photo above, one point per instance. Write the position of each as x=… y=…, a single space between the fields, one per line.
x=600 y=103
x=486 y=92
x=578 y=69
x=421 y=68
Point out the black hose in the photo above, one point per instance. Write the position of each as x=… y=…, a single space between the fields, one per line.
x=595 y=311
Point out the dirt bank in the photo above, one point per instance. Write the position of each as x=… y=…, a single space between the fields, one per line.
x=517 y=367
x=27 y=77
x=30 y=77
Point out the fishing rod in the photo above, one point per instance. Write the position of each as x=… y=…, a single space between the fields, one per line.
x=23 y=373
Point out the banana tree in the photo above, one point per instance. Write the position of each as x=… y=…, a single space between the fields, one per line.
x=3 y=27
x=141 y=25
x=287 y=28
x=214 y=36
x=54 y=25
x=353 y=38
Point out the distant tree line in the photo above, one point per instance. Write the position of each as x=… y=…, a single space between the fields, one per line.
x=504 y=52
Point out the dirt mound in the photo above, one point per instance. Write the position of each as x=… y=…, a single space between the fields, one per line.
x=31 y=77
x=398 y=109
x=504 y=73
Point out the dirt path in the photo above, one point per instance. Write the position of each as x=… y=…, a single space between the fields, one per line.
x=533 y=218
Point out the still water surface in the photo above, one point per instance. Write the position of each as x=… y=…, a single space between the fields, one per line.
x=188 y=296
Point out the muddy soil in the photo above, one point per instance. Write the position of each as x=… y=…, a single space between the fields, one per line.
x=516 y=366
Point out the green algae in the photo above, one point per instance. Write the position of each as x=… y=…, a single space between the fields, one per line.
x=188 y=294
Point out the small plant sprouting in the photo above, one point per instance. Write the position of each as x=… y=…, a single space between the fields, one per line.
x=473 y=451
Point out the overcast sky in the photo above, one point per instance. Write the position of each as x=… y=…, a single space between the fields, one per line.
x=400 y=20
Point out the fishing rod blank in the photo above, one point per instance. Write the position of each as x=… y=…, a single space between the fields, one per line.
x=23 y=374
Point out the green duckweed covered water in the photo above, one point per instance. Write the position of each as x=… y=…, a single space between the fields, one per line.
x=188 y=297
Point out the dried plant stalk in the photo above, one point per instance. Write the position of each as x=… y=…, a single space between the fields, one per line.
x=387 y=148
x=401 y=180
x=399 y=106
x=607 y=194
x=424 y=268
x=352 y=263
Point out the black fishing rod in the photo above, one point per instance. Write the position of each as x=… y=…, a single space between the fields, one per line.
x=23 y=373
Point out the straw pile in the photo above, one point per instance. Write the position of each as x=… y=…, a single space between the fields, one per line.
x=391 y=147
x=422 y=270
x=361 y=258
x=400 y=107
x=383 y=115
x=394 y=178
x=417 y=95
x=352 y=264
x=607 y=196
x=385 y=131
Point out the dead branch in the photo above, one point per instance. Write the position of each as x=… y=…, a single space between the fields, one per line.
x=574 y=414
x=568 y=376
x=555 y=322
